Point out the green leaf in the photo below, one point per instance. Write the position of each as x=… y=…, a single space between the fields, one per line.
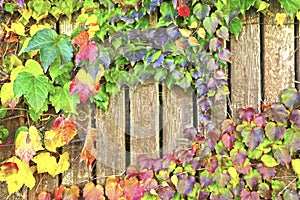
x=34 y=88
x=236 y=26
x=167 y=11
x=160 y=74
x=269 y=161
x=102 y=99
x=245 y=5
x=51 y=46
x=62 y=100
x=3 y=132
x=56 y=69
x=290 y=6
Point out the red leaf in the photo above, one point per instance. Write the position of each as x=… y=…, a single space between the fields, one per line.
x=113 y=190
x=86 y=49
x=184 y=11
x=84 y=84
x=87 y=156
x=89 y=152
x=9 y=168
x=58 y=192
x=92 y=192
x=44 y=196
x=71 y=193
x=133 y=190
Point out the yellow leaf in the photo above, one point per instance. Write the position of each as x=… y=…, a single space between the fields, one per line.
x=193 y=25
x=7 y=93
x=15 y=61
x=174 y=180
x=47 y=163
x=185 y=32
x=298 y=15
x=280 y=18
x=33 y=67
x=18 y=28
x=201 y=32
x=92 y=30
x=235 y=180
x=296 y=166
x=193 y=41
x=27 y=144
x=22 y=176
x=35 y=28
x=263 y=6
x=92 y=19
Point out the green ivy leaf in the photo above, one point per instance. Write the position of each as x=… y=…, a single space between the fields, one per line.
x=61 y=99
x=245 y=5
x=167 y=11
x=51 y=46
x=160 y=74
x=56 y=69
x=201 y=11
x=102 y=99
x=3 y=132
x=34 y=88
x=290 y=6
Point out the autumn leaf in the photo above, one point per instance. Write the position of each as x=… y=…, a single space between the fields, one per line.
x=27 y=144
x=87 y=49
x=47 y=163
x=58 y=192
x=8 y=96
x=61 y=133
x=71 y=193
x=296 y=166
x=112 y=188
x=89 y=152
x=184 y=11
x=92 y=192
x=44 y=196
x=280 y=18
x=85 y=85
x=16 y=173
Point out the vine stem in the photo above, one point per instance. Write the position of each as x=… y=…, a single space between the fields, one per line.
x=288 y=185
x=6 y=144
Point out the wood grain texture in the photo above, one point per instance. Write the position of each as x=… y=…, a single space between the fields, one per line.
x=177 y=115
x=245 y=74
x=278 y=56
x=111 y=142
x=144 y=121
x=297 y=54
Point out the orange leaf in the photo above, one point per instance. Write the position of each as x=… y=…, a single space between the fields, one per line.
x=113 y=188
x=71 y=193
x=58 y=192
x=44 y=196
x=89 y=152
x=61 y=133
x=92 y=192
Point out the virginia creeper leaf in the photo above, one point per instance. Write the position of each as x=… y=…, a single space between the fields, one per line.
x=71 y=193
x=274 y=131
x=265 y=171
x=253 y=178
x=89 y=152
x=92 y=192
x=51 y=45
x=112 y=188
x=292 y=139
x=47 y=163
x=61 y=133
x=27 y=143
x=290 y=97
x=8 y=96
x=44 y=196
x=185 y=183
x=253 y=137
x=269 y=161
x=282 y=155
x=246 y=194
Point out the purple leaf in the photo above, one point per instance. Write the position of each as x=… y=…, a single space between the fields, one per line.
x=290 y=97
x=212 y=65
x=274 y=131
x=264 y=191
x=204 y=195
x=253 y=178
x=260 y=120
x=211 y=164
x=277 y=112
x=265 y=172
x=145 y=162
x=146 y=174
x=253 y=137
x=165 y=193
x=150 y=184
x=204 y=104
x=228 y=140
x=185 y=183
x=133 y=54
x=203 y=152
x=224 y=55
x=246 y=195
x=228 y=126
x=291 y=195
x=224 y=193
x=205 y=179
x=222 y=179
x=185 y=156
x=238 y=189
x=295 y=118
x=223 y=33
x=238 y=156
x=212 y=138
x=282 y=155
x=246 y=114
x=214 y=44
x=157 y=164
x=20 y=2
x=131 y=171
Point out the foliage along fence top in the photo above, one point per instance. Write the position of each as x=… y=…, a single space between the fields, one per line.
x=124 y=57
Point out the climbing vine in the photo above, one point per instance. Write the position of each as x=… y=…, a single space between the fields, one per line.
x=117 y=44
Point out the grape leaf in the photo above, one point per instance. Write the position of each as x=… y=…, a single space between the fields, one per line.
x=89 y=152
x=27 y=143
x=16 y=173
x=274 y=131
x=51 y=45
x=87 y=49
x=85 y=85
x=61 y=133
x=61 y=99
x=92 y=192
x=34 y=88
x=47 y=163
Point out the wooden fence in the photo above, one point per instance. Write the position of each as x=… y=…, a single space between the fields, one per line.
x=150 y=119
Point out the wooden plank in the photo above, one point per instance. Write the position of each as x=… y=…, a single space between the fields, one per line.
x=297 y=54
x=245 y=74
x=144 y=121
x=111 y=141
x=278 y=56
x=177 y=115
